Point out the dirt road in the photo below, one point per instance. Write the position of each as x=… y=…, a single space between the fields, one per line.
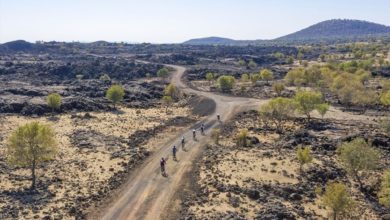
x=147 y=193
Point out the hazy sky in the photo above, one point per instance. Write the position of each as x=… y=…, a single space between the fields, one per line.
x=167 y=21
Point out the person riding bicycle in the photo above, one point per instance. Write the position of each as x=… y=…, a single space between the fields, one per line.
x=202 y=128
x=182 y=142
x=218 y=117
x=162 y=165
x=194 y=133
x=174 y=149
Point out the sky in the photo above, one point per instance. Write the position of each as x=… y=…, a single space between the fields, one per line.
x=174 y=21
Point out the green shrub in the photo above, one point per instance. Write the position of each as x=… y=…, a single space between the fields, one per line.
x=225 y=83
x=115 y=94
x=357 y=156
x=30 y=145
x=54 y=101
x=338 y=199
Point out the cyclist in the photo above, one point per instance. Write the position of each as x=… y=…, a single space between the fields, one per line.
x=174 y=149
x=182 y=142
x=162 y=165
x=202 y=129
x=194 y=134
x=218 y=117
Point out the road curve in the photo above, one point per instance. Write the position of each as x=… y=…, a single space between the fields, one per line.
x=147 y=193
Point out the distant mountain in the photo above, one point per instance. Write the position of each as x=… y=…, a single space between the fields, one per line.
x=211 y=41
x=17 y=45
x=338 y=29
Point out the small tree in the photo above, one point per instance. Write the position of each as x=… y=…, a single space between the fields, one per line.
x=290 y=60
x=278 y=110
x=278 y=88
x=163 y=73
x=384 y=193
x=242 y=138
x=105 y=78
x=215 y=133
x=30 y=145
x=357 y=156
x=304 y=156
x=210 y=77
x=338 y=199
x=54 y=101
x=167 y=101
x=322 y=109
x=115 y=94
x=245 y=77
x=307 y=101
x=241 y=62
x=254 y=78
x=225 y=83
x=252 y=64
x=170 y=90
x=266 y=75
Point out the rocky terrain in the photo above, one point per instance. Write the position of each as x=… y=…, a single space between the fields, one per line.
x=26 y=81
x=97 y=150
x=263 y=181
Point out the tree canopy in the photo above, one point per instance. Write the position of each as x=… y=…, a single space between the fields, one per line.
x=225 y=83
x=30 y=145
x=115 y=94
x=54 y=101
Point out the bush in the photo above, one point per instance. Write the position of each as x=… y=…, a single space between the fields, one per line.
x=338 y=199
x=384 y=193
x=209 y=77
x=225 y=83
x=266 y=75
x=241 y=63
x=277 y=110
x=245 y=77
x=254 y=77
x=170 y=90
x=385 y=98
x=163 y=73
x=385 y=84
x=30 y=145
x=105 y=78
x=115 y=94
x=242 y=138
x=322 y=109
x=357 y=156
x=54 y=101
x=307 y=101
x=304 y=156
x=295 y=76
x=278 y=88
x=252 y=64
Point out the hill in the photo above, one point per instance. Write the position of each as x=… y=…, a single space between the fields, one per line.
x=17 y=45
x=338 y=29
x=211 y=41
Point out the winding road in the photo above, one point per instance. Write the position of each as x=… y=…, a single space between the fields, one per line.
x=147 y=193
